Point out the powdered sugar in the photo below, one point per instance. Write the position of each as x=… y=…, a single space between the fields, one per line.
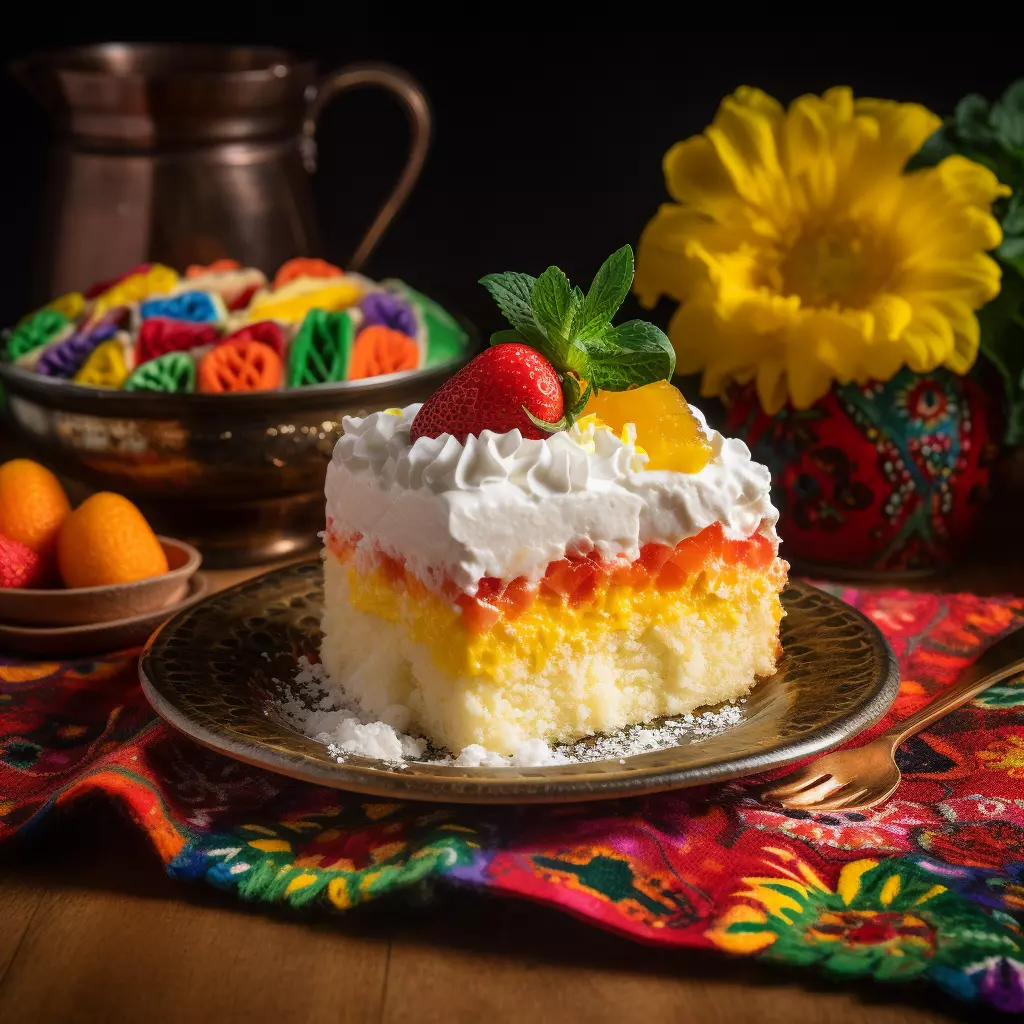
x=344 y=732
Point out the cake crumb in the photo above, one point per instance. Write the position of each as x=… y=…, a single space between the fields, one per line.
x=310 y=709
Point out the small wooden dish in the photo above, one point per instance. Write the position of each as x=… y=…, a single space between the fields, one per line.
x=96 y=637
x=91 y=605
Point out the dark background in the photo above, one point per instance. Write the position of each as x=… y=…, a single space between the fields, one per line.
x=547 y=147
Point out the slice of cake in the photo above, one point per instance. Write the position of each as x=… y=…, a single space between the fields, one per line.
x=554 y=545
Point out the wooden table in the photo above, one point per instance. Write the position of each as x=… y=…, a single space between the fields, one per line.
x=91 y=929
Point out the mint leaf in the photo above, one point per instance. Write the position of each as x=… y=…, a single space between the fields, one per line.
x=607 y=291
x=508 y=338
x=634 y=353
x=554 y=306
x=512 y=292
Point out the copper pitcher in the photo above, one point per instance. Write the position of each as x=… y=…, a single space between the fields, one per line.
x=182 y=154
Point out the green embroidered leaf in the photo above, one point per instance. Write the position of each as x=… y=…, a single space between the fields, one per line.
x=635 y=353
x=607 y=291
x=554 y=306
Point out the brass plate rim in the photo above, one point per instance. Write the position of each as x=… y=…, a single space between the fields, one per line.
x=287 y=752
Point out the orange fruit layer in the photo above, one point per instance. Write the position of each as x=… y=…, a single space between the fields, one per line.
x=106 y=541
x=576 y=579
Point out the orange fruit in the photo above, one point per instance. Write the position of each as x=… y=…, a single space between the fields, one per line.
x=33 y=504
x=105 y=541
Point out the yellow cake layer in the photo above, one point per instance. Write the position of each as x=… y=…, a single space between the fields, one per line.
x=557 y=672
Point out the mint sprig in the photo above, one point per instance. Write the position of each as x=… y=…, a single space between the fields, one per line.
x=574 y=332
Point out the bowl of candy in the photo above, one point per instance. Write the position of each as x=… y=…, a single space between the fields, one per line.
x=213 y=398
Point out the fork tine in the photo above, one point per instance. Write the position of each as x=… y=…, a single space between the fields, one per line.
x=842 y=799
x=808 y=798
x=796 y=782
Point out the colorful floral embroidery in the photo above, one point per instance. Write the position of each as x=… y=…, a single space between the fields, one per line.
x=928 y=886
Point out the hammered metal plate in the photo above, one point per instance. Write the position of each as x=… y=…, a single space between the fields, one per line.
x=213 y=672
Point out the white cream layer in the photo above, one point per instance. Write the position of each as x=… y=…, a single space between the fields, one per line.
x=501 y=505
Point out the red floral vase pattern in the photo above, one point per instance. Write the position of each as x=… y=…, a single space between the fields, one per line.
x=881 y=477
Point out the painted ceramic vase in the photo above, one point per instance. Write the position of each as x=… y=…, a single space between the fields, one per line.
x=878 y=478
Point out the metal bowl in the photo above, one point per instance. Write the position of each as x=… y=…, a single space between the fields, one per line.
x=241 y=476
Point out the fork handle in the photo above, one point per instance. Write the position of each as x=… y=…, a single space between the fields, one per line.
x=1003 y=659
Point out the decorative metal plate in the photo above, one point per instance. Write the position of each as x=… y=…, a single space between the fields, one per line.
x=207 y=673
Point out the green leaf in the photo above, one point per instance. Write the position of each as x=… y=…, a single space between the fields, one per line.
x=508 y=338
x=576 y=357
x=1007 y=117
x=1011 y=252
x=940 y=144
x=634 y=353
x=972 y=121
x=554 y=305
x=607 y=291
x=512 y=292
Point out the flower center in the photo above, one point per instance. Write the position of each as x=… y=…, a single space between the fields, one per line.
x=837 y=264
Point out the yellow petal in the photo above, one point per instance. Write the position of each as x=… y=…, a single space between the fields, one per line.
x=760 y=102
x=745 y=143
x=771 y=385
x=973 y=279
x=808 y=135
x=930 y=339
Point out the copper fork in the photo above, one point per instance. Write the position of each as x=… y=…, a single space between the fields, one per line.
x=861 y=777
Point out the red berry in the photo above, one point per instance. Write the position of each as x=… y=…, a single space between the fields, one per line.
x=490 y=393
x=20 y=566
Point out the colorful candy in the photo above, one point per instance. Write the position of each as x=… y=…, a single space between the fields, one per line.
x=150 y=329
x=389 y=311
x=291 y=304
x=266 y=331
x=173 y=373
x=65 y=357
x=216 y=267
x=160 y=335
x=70 y=304
x=240 y=364
x=380 y=350
x=321 y=349
x=446 y=338
x=303 y=266
x=107 y=367
x=195 y=307
x=34 y=332
x=153 y=280
x=234 y=284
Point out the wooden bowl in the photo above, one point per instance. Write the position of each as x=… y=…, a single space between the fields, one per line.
x=95 y=637
x=89 y=605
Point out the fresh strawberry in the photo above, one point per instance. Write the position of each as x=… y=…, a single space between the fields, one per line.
x=20 y=566
x=492 y=393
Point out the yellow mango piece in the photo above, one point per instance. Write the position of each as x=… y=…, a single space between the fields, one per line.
x=106 y=367
x=291 y=309
x=665 y=427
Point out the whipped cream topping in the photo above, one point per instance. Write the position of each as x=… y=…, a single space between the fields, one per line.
x=506 y=506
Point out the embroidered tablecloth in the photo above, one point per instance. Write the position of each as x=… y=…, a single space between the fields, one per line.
x=928 y=887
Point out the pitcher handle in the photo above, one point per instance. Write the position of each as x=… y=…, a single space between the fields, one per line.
x=413 y=99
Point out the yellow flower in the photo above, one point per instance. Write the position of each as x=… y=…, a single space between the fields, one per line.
x=802 y=254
